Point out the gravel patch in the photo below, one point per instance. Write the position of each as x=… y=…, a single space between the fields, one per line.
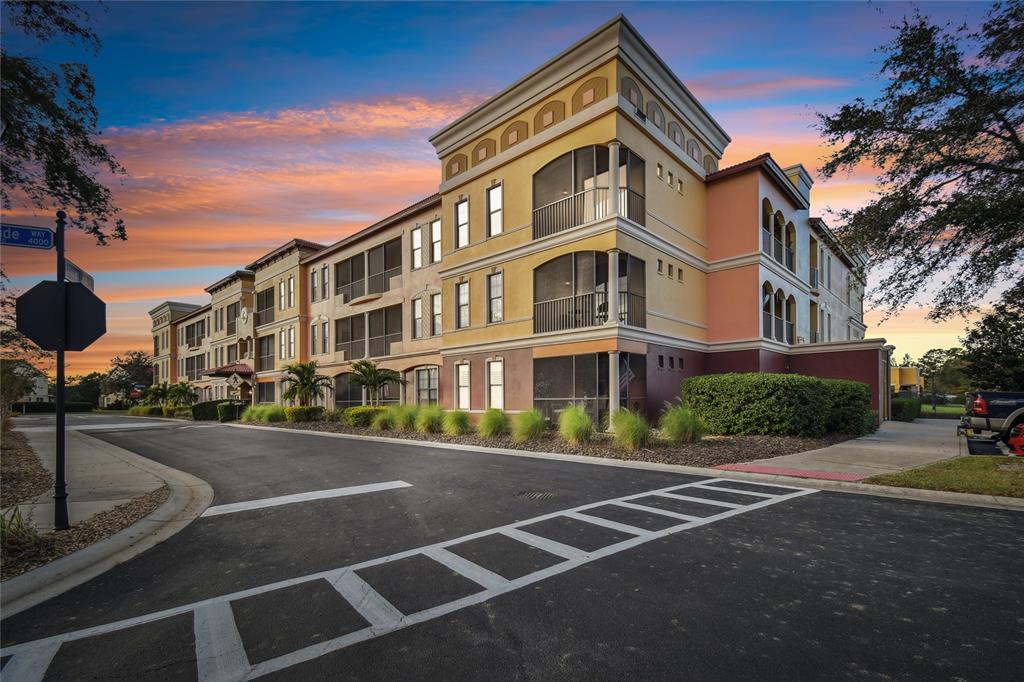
x=711 y=451
x=61 y=543
x=22 y=475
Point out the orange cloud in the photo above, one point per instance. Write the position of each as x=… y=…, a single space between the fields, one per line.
x=747 y=85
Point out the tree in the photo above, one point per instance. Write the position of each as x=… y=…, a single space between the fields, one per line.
x=180 y=395
x=942 y=371
x=50 y=157
x=135 y=367
x=946 y=135
x=86 y=388
x=156 y=394
x=304 y=384
x=16 y=380
x=367 y=374
x=994 y=349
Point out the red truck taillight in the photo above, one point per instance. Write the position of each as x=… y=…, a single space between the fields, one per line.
x=979 y=407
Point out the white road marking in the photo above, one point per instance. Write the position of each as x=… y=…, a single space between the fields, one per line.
x=100 y=427
x=377 y=610
x=549 y=546
x=478 y=574
x=613 y=525
x=30 y=665
x=234 y=507
x=220 y=654
x=734 y=490
x=357 y=591
x=701 y=500
x=657 y=510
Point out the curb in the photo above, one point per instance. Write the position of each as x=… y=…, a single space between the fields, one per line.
x=919 y=495
x=189 y=497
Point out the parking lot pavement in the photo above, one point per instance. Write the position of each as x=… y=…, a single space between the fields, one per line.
x=503 y=567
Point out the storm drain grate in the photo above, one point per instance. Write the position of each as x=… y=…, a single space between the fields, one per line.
x=536 y=495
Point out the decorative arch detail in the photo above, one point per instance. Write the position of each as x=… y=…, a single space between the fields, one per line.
x=514 y=134
x=457 y=164
x=591 y=92
x=655 y=115
x=551 y=113
x=710 y=164
x=484 y=150
x=631 y=91
x=675 y=133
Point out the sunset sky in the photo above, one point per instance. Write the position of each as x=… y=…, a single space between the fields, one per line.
x=243 y=125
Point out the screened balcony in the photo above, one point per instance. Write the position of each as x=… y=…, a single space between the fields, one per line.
x=573 y=292
x=577 y=188
x=778 y=238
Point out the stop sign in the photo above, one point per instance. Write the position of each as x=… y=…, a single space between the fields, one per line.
x=86 y=316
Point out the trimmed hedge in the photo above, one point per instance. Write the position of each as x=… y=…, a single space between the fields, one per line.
x=761 y=403
x=312 y=413
x=906 y=409
x=361 y=415
x=145 y=411
x=229 y=411
x=263 y=414
x=206 y=411
x=47 y=408
x=183 y=412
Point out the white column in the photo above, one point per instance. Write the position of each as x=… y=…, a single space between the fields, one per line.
x=613 y=287
x=613 y=177
x=613 y=385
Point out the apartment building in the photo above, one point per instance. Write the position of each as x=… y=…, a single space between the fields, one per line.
x=583 y=247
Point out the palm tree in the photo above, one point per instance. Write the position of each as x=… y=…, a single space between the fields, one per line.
x=367 y=374
x=181 y=394
x=304 y=384
x=156 y=394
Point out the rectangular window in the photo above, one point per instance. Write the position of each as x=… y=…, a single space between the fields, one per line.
x=661 y=362
x=280 y=295
x=495 y=297
x=426 y=386
x=291 y=291
x=435 y=307
x=435 y=241
x=291 y=342
x=462 y=385
x=462 y=305
x=496 y=384
x=350 y=336
x=324 y=284
x=314 y=285
x=382 y=263
x=669 y=178
x=325 y=345
x=671 y=362
x=462 y=224
x=312 y=339
x=265 y=392
x=680 y=364
x=417 y=318
x=232 y=315
x=417 y=247
x=385 y=325
x=282 y=344
x=495 y=223
x=671 y=270
x=232 y=354
x=660 y=266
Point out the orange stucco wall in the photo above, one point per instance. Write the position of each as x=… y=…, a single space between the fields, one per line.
x=733 y=216
x=734 y=304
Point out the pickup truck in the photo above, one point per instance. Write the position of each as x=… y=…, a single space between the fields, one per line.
x=996 y=411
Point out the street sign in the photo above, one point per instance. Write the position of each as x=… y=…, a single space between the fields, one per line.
x=26 y=236
x=86 y=316
x=73 y=273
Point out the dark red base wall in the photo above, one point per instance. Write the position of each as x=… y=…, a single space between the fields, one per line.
x=663 y=384
x=518 y=379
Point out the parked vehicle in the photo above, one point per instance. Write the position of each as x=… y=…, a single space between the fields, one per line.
x=995 y=411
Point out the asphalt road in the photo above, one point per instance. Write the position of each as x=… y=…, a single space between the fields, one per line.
x=761 y=582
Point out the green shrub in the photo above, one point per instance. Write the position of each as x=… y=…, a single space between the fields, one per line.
x=168 y=410
x=906 y=409
x=264 y=414
x=335 y=415
x=575 y=425
x=680 y=424
x=430 y=419
x=228 y=411
x=850 y=403
x=311 y=413
x=384 y=421
x=759 y=403
x=205 y=411
x=145 y=411
x=493 y=423
x=17 y=534
x=362 y=415
x=528 y=425
x=183 y=412
x=404 y=417
x=456 y=423
x=45 y=408
x=631 y=430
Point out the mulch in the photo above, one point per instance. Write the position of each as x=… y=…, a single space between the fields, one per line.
x=55 y=545
x=711 y=451
x=22 y=476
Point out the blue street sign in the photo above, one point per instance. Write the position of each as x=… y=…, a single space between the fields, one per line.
x=27 y=236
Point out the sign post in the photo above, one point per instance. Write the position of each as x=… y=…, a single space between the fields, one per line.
x=60 y=489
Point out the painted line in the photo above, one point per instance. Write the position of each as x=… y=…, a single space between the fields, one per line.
x=392 y=619
x=734 y=490
x=378 y=611
x=302 y=497
x=30 y=665
x=657 y=510
x=795 y=473
x=98 y=427
x=598 y=521
x=544 y=544
x=220 y=654
x=478 y=574
x=701 y=500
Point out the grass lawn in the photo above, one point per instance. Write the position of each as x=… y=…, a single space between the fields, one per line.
x=941 y=411
x=981 y=475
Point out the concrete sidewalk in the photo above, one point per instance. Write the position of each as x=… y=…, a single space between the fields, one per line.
x=896 y=446
x=99 y=478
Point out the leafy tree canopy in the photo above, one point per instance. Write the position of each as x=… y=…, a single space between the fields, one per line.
x=50 y=157
x=947 y=133
x=134 y=367
x=994 y=348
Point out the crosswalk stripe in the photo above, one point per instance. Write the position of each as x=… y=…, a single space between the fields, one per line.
x=220 y=654
x=377 y=610
x=701 y=500
x=549 y=546
x=735 y=490
x=474 y=572
x=656 y=510
x=598 y=521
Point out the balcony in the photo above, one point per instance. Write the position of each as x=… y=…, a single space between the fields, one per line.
x=380 y=346
x=790 y=333
x=587 y=310
x=771 y=246
x=586 y=207
x=265 y=316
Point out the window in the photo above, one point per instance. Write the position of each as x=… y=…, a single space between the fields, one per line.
x=680 y=363
x=291 y=291
x=312 y=339
x=679 y=186
x=671 y=179
x=661 y=171
x=435 y=241
x=232 y=354
x=462 y=305
x=385 y=327
x=346 y=393
x=661 y=362
x=679 y=273
x=462 y=224
x=325 y=337
x=314 y=285
x=494 y=212
x=495 y=297
x=671 y=362
x=350 y=277
x=282 y=344
x=462 y=386
x=671 y=269
x=265 y=353
x=426 y=386
x=232 y=315
x=280 y=295
x=417 y=247
x=417 y=318
x=435 y=307
x=382 y=263
x=265 y=392
x=291 y=342
x=156 y=345
x=496 y=384
x=350 y=336
x=324 y=284
x=660 y=266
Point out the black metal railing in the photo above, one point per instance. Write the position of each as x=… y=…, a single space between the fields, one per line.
x=779 y=326
x=571 y=211
x=766 y=319
x=632 y=309
x=766 y=241
x=587 y=310
x=631 y=205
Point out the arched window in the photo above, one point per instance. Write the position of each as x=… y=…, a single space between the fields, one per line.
x=710 y=164
x=549 y=114
x=571 y=291
x=655 y=115
x=484 y=150
x=790 y=320
x=766 y=215
x=675 y=133
x=514 y=134
x=594 y=90
x=457 y=164
x=790 y=246
x=631 y=91
x=767 y=298
x=693 y=149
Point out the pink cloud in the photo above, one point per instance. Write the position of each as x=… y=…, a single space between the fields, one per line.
x=747 y=85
